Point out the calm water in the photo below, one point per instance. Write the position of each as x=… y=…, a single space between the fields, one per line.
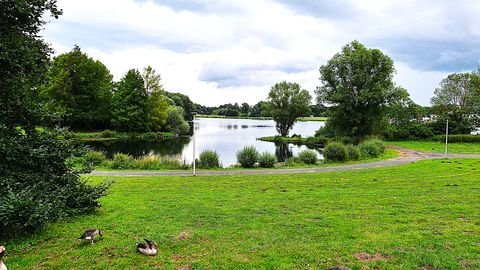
x=226 y=136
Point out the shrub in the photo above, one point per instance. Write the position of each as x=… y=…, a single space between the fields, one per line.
x=94 y=158
x=308 y=156
x=461 y=138
x=156 y=162
x=320 y=141
x=208 y=159
x=336 y=152
x=353 y=152
x=267 y=160
x=372 y=148
x=107 y=133
x=247 y=157
x=122 y=161
x=37 y=184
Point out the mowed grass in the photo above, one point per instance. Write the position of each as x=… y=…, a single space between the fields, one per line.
x=424 y=214
x=436 y=147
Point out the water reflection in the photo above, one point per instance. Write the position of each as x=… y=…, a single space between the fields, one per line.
x=138 y=148
x=226 y=136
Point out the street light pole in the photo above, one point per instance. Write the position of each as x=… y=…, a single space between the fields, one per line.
x=193 y=136
x=446 y=140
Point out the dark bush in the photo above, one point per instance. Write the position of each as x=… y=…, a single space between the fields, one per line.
x=336 y=152
x=208 y=159
x=266 y=160
x=319 y=141
x=37 y=186
x=247 y=157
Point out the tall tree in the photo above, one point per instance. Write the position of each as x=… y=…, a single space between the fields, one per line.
x=287 y=102
x=80 y=89
x=36 y=185
x=458 y=98
x=130 y=103
x=357 y=82
x=158 y=103
x=152 y=80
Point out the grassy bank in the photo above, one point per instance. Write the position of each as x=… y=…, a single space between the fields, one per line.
x=438 y=147
x=320 y=119
x=314 y=141
x=417 y=216
x=115 y=135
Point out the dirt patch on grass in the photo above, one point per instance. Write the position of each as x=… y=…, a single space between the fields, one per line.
x=363 y=256
x=185 y=267
x=339 y=268
x=428 y=267
x=176 y=257
x=183 y=236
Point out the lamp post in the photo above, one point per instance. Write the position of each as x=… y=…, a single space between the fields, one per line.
x=446 y=136
x=193 y=137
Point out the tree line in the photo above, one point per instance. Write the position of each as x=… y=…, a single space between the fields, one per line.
x=80 y=93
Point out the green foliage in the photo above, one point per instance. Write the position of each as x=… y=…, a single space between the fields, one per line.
x=287 y=102
x=183 y=101
x=37 y=186
x=95 y=158
x=79 y=90
x=267 y=160
x=208 y=159
x=320 y=141
x=459 y=138
x=335 y=152
x=308 y=156
x=353 y=152
x=358 y=83
x=130 y=103
x=247 y=157
x=372 y=148
x=175 y=121
x=121 y=161
x=411 y=131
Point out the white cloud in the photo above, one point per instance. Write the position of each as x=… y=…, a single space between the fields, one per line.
x=234 y=51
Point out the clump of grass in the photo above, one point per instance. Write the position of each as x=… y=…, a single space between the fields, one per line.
x=336 y=152
x=266 y=160
x=247 y=157
x=208 y=159
x=308 y=156
x=372 y=148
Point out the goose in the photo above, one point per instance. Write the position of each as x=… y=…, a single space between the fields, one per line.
x=90 y=234
x=149 y=248
x=2 y=252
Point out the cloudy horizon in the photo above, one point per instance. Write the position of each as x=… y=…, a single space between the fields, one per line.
x=219 y=52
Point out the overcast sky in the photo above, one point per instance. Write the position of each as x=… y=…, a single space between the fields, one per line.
x=228 y=51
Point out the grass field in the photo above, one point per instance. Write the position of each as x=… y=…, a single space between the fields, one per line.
x=436 y=147
x=423 y=215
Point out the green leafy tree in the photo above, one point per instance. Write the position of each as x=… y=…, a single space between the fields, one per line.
x=130 y=103
x=79 y=89
x=183 y=101
x=158 y=103
x=287 y=102
x=175 y=121
x=357 y=82
x=36 y=185
x=458 y=98
x=152 y=80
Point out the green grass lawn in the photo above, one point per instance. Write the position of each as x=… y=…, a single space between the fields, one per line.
x=424 y=214
x=436 y=147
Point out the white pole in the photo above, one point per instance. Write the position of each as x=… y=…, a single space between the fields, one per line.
x=446 y=140
x=194 y=145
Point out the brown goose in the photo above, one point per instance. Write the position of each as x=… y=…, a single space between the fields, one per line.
x=90 y=234
x=2 y=252
x=149 y=248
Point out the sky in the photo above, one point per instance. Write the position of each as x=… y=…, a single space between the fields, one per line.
x=229 y=51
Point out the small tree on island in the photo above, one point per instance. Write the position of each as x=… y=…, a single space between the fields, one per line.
x=286 y=102
x=357 y=82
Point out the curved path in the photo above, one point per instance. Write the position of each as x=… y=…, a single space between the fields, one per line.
x=406 y=156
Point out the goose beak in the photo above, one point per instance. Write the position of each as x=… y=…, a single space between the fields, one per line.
x=146 y=240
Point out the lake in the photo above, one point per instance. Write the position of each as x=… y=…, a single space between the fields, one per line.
x=226 y=136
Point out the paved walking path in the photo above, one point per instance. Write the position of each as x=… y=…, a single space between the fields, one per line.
x=406 y=156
